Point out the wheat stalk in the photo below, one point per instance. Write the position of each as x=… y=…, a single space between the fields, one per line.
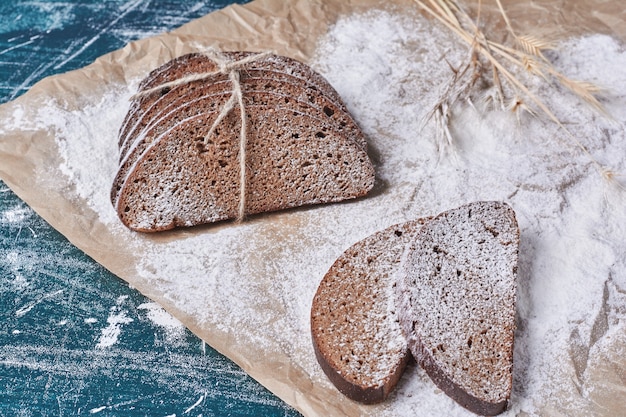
x=527 y=53
x=534 y=46
x=458 y=88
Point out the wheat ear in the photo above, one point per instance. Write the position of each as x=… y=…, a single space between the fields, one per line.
x=529 y=57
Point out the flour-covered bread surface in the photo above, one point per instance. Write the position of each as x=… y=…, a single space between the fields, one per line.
x=257 y=103
x=302 y=147
x=356 y=335
x=456 y=303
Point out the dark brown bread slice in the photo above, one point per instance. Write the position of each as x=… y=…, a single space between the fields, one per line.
x=197 y=62
x=157 y=129
x=255 y=102
x=292 y=160
x=250 y=81
x=356 y=335
x=273 y=66
x=456 y=303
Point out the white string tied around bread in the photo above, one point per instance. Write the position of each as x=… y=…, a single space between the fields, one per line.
x=232 y=69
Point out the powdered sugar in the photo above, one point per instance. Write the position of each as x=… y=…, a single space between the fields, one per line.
x=256 y=280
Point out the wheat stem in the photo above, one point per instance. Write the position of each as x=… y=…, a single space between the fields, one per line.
x=530 y=57
x=506 y=19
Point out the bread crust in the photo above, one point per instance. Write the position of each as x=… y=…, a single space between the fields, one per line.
x=452 y=389
x=357 y=392
x=275 y=66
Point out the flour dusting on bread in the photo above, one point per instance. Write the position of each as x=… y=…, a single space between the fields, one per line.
x=457 y=303
x=356 y=335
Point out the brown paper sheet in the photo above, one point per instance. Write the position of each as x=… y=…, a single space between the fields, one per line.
x=289 y=28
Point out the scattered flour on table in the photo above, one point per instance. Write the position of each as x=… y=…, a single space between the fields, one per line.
x=15 y=215
x=109 y=336
x=174 y=330
x=255 y=281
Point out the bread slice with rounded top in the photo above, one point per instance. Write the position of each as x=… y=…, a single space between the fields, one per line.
x=199 y=97
x=356 y=335
x=198 y=63
x=456 y=303
x=256 y=104
x=192 y=94
x=301 y=146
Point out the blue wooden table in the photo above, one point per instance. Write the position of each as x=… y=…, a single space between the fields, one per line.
x=75 y=339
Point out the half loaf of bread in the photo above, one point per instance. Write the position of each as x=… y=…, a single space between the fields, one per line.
x=356 y=335
x=302 y=147
x=456 y=303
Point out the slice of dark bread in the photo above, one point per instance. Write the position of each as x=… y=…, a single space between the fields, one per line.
x=291 y=158
x=158 y=129
x=198 y=62
x=199 y=97
x=180 y=98
x=356 y=335
x=456 y=303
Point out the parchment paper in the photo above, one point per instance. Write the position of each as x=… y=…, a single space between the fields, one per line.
x=30 y=160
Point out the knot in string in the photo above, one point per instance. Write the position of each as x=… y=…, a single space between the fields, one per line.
x=231 y=68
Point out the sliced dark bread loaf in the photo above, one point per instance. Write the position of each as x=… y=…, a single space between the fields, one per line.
x=255 y=103
x=140 y=106
x=356 y=335
x=265 y=82
x=292 y=160
x=456 y=303
x=198 y=62
x=302 y=145
x=158 y=130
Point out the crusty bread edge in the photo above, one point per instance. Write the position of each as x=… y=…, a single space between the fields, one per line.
x=451 y=389
x=369 y=395
x=354 y=391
